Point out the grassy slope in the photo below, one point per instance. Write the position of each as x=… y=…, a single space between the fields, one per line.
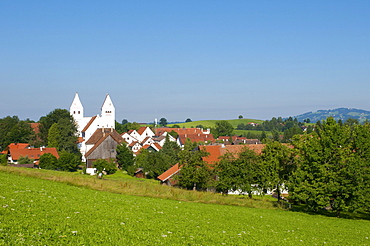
x=212 y=123
x=43 y=212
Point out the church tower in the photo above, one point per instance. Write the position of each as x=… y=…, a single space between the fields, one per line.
x=76 y=109
x=108 y=113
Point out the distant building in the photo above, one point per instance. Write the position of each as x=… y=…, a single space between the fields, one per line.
x=86 y=126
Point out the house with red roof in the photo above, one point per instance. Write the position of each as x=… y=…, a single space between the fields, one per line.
x=15 y=151
x=215 y=153
x=194 y=134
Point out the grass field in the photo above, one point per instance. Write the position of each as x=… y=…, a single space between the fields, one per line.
x=44 y=212
x=212 y=123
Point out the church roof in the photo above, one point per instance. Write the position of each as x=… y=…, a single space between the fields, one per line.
x=76 y=101
x=107 y=102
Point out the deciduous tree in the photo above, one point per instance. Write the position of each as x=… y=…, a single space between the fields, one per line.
x=125 y=157
x=48 y=161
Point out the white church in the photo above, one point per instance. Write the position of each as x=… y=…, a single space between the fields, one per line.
x=88 y=125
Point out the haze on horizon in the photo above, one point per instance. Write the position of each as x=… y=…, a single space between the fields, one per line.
x=184 y=59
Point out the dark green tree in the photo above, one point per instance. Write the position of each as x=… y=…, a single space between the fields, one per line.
x=53 y=117
x=20 y=133
x=278 y=162
x=238 y=173
x=163 y=122
x=54 y=136
x=195 y=174
x=188 y=120
x=48 y=161
x=222 y=128
x=125 y=157
x=68 y=161
x=6 y=124
x=330 y=172
x=171 y=150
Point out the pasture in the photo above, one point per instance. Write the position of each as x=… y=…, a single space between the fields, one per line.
x=212 y=123
x=44 y=212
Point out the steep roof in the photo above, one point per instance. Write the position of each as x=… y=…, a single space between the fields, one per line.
x=100 y=135
x=169 y=173
x=107 y=102
x=76 y=102
x=89 y=123
x=32 y=153
x=141 y=130
x=102 y=132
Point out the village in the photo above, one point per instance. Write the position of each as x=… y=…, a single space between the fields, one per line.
x=98 y=139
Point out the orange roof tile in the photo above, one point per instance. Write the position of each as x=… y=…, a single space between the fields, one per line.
x=18 y=146
x=32 y=153
x=141 y=130
x=169 y=173
x=216 y=151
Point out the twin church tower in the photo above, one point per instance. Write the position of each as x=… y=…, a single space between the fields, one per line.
x=87 y=125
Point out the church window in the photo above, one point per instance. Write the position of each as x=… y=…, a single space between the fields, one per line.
x=78 y=112
x=74 y=112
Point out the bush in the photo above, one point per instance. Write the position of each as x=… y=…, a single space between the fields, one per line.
x=25 y=160
x=3 y=160
x=68 y=162
x=48 y=161
x=104 y=165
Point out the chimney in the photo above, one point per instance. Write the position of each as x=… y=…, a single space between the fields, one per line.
x=41 y=148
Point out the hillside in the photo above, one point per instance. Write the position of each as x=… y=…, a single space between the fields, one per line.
x=91 y=217
x=212 y=123
x=339 y=113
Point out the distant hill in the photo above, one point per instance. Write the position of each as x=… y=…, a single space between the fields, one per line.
x=339 y=113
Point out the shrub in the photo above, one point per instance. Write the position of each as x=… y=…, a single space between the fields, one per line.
x=105 y=165
x=48 y=161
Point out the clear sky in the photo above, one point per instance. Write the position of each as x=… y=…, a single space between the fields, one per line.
x=184 y=59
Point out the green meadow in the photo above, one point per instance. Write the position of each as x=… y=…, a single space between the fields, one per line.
x=212 y=123
x=57 y=211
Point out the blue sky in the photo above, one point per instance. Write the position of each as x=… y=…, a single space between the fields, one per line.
x=184 y=59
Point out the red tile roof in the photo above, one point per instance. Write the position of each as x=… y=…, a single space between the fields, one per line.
x=141 y=129
x=196 y=137
x=169 y=173
x=18 y=146
x=32 y=153
x=216 y=151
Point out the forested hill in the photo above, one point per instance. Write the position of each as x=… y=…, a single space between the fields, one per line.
x=339 y=113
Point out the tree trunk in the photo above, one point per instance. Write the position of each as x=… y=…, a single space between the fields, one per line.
x=278 y=192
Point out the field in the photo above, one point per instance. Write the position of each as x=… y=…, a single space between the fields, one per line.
x=212 y=123
x=45 y=212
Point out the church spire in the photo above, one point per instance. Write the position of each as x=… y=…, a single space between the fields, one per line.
x=76 y=109
x=108 y=112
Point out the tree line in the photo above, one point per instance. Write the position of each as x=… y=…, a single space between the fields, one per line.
x=328 y=168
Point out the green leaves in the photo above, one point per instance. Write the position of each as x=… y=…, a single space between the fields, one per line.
x=333 y=167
